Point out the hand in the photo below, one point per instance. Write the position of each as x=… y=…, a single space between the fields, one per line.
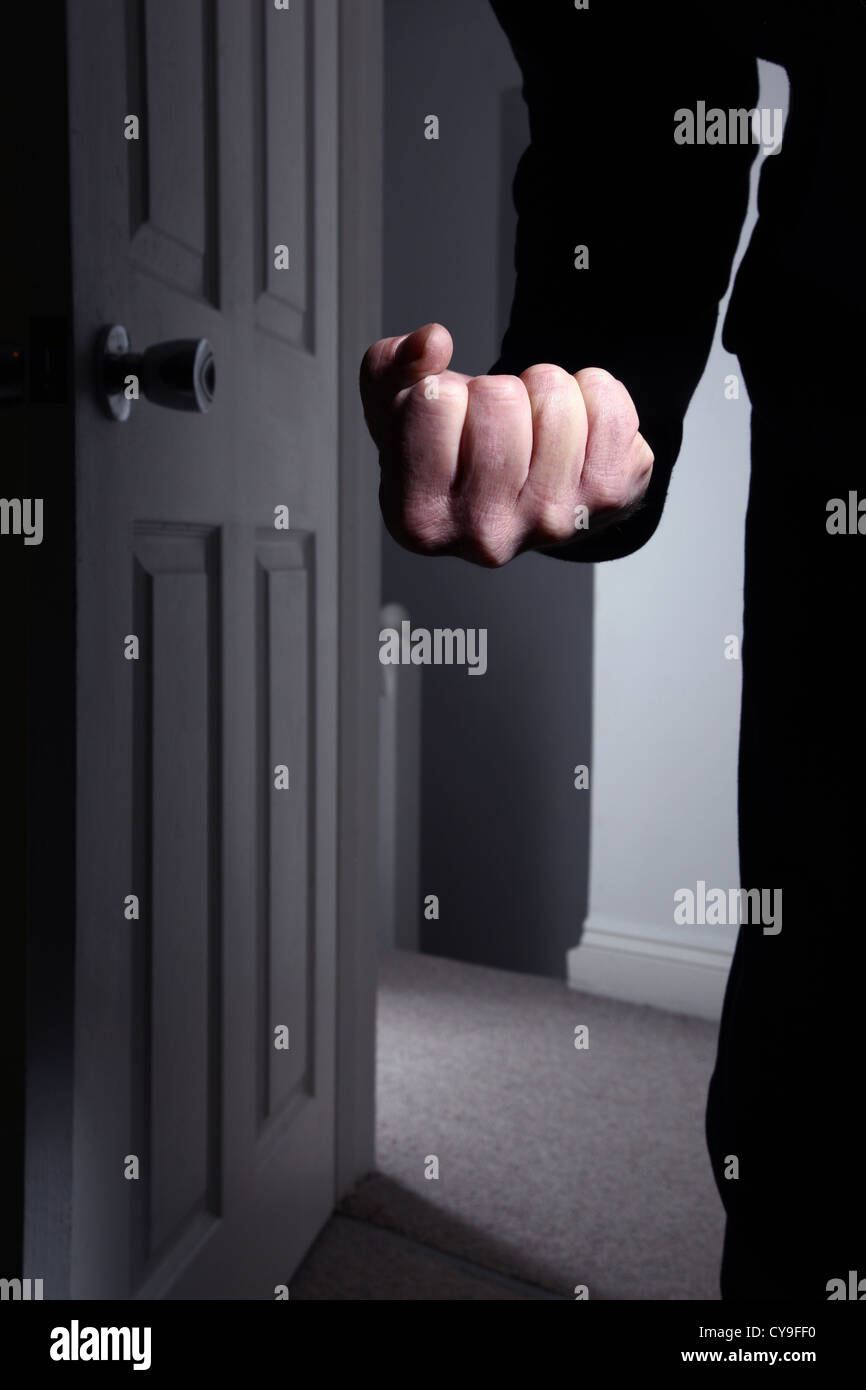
x=486 y=467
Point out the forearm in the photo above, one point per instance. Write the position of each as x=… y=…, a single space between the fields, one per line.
x=660 y=223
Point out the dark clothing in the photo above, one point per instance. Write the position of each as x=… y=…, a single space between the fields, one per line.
x=786 y=1091
x=661 y=222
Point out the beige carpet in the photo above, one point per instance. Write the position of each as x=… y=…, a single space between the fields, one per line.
x=355 y=1260
x=557 y=1166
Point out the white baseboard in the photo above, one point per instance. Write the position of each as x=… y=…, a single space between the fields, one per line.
x=644 y=964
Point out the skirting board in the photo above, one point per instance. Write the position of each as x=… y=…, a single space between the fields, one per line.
x=643 y=965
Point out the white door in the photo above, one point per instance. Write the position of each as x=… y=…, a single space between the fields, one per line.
x=207 y=758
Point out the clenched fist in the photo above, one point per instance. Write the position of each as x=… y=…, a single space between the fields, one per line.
x=485 y=467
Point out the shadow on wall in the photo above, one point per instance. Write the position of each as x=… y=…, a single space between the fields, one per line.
x=504 y=833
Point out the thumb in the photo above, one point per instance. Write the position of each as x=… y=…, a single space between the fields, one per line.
x=393 y=364
x=426 y=352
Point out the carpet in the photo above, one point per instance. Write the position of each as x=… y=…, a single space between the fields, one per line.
x=557 y=1166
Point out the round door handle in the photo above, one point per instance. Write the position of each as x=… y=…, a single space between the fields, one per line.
x=179 y=374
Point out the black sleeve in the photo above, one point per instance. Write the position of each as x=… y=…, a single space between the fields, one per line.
x=660 y=220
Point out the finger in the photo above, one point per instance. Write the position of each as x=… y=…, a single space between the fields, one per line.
x=615 y=467
x=495 y=449
x=559 y=435
x=394 y=364
x=421 y=459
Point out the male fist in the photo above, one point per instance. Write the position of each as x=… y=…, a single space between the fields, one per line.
x=485 y=467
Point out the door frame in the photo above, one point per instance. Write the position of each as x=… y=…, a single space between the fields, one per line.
x=37 y=1018
x=43 y=1157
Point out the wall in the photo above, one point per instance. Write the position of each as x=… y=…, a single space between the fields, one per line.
x=666 y=710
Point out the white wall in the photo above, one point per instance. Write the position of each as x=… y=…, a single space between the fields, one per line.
x=666 y=711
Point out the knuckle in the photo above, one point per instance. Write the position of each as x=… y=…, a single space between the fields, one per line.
x=490 y=539
x=639 y=467
x=611 y=491
x=496 y=388
x=596 y=379
x=489 y=555
x=646 y=458
x=432 y=393
x=543 y=378
x=554 y=521
x=614 y=403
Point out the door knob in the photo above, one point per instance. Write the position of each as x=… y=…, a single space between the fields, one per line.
x=179 y=374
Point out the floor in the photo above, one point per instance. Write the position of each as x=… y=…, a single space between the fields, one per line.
x=513 y=1164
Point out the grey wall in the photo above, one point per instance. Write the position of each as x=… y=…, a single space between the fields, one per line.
x=504 y=834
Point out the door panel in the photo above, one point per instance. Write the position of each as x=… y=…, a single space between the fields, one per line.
x=285 y=194
x=172 y=85
x=176 y=744
x=285 y=958
x=237 y=625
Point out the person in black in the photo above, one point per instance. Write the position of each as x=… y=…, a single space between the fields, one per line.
x=661 y=221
